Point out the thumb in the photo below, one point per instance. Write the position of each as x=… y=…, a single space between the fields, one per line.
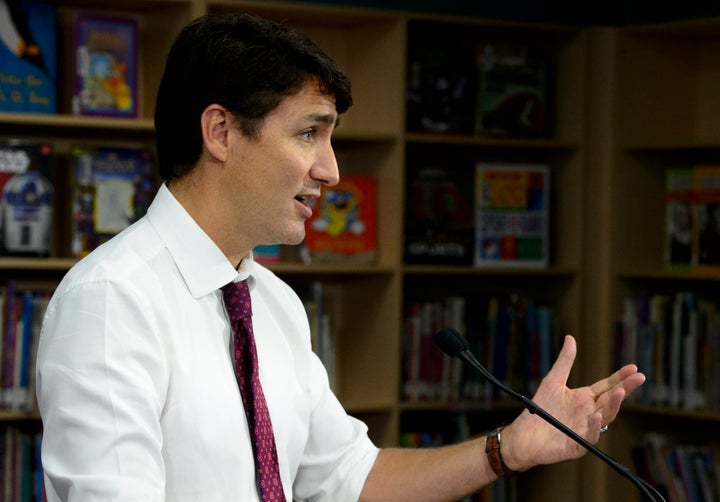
x=560 y=371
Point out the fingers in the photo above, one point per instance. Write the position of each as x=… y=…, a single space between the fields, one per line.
x=563 y=364
x=609 y=402
x=611 y=407
x=627 y=377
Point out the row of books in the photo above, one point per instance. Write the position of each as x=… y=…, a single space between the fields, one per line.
x=675 y=340
x=487 y=215
x=682 y=471
x=514 y=338
x=318 y=306
x=104 y=61
x=21 y=314
x=692 y=222
x=21 y=475
x=111 y=188
x=496 y=89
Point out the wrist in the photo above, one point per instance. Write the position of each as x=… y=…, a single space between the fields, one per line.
x=493 y=450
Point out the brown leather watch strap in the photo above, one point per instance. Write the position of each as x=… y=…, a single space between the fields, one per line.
x=493 y=441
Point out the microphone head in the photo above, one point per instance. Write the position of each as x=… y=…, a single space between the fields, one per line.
x=451 y=342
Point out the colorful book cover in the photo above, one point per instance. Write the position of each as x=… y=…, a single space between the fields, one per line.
x=439 y=215
x=679 y=217
x=112 y=188
x=343 y=226
x=26 y=198
x=512 y=91
x=511 y=215
x=105 y=65
x=28 y=61
x=707 y=210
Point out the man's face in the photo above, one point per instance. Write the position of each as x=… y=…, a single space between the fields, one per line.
x=274 y=176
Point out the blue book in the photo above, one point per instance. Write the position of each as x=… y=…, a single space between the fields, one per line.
x=28 y=61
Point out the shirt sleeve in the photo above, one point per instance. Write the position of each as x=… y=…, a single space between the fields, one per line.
x=339 y=454
x=100 y=381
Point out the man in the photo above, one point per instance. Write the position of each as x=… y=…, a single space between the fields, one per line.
x=135 y=367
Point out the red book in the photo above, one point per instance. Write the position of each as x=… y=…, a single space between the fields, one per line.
x=343 y=227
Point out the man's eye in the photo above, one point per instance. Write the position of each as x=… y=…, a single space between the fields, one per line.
x=307 y=135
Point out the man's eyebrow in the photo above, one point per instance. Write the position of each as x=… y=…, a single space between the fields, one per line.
x=325 y=118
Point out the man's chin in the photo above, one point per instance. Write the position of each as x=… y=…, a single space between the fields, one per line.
x=294 y=240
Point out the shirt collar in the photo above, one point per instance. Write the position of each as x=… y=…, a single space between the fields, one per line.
x=201 y=263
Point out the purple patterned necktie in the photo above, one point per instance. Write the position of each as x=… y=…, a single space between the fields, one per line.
x=267 y=470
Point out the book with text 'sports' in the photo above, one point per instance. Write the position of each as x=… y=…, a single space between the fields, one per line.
x=439 y=215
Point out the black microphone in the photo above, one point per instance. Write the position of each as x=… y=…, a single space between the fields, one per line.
x=452 y=343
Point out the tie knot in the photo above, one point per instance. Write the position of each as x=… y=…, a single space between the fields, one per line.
x=237 y=300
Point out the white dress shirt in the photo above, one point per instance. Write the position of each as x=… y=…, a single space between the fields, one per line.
x=136 y=387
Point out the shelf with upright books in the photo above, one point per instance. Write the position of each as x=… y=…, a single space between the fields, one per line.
x=662 y=124
x=159 y=21
x=669 y=219
x=447 y=135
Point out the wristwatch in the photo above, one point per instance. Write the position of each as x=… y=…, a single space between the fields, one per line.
x=492 y=449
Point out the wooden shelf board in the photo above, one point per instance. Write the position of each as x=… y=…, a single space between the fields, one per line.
x=460 y=406
x=690 y=146
x=713 y=416
x=57 y=264
x=468 y=140
x=62 y=121
x=638 y=275
x=468 y=270
x=329 y=269
x=361 y=406
x=10 y=415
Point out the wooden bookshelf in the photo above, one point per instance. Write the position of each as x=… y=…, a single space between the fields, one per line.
x=625 y=100
x=371 y=45
x=654 y=103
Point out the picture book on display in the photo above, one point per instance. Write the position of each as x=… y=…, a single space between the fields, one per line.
x=440 y=88
x=679 y=217
x=706 y=184
x=512 y=91
x=692 y=218
x=512 y=215
x=343 y=226
x=105 y=65
x=439 y=215
x=26 y=196
x=28 y=62
x=112 y=188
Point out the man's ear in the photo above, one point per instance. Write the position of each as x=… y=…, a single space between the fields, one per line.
x=215 y=123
